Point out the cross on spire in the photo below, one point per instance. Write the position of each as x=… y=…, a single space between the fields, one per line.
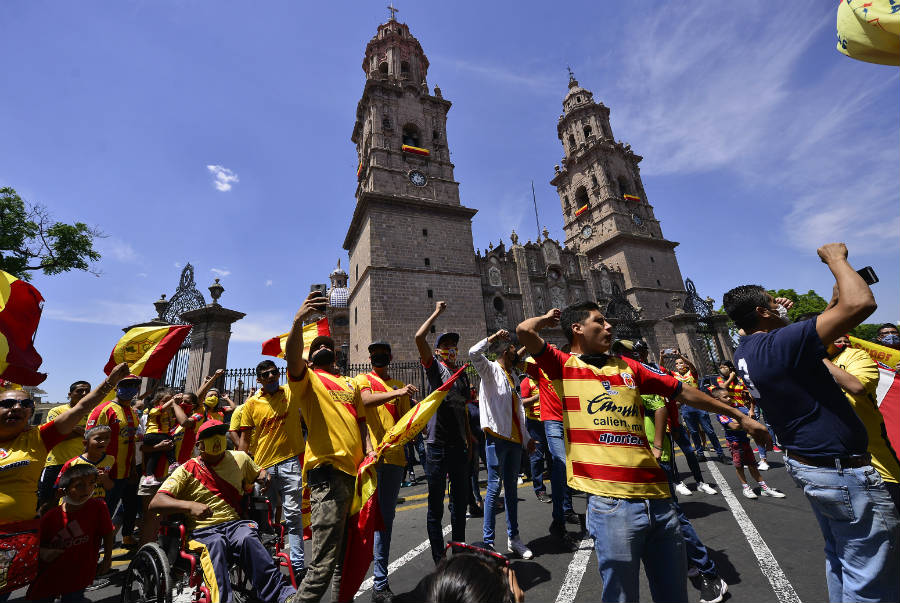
x=393 y=11
x=571 y=75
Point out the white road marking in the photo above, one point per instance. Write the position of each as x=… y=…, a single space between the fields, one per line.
x=767 y=562
x=398 y=563
x=576 y=572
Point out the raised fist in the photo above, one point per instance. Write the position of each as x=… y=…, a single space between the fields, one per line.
x=832 y=252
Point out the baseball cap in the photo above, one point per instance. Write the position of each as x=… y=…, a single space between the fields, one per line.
x=449 y=334
x=211 y=427
x=379 y=344
x=130 y=378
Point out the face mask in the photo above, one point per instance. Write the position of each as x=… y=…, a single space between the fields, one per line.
x=598 y=360
x=72 y=502
x=127 y=392
x=890 y=339
x=840 y=346
x=214 y=444
x=381 y=360
x=323 y=357
x=783 y=314
x=448 y=355
x=211 y=401
x=270 y=387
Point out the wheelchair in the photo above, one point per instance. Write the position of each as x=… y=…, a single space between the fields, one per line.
x=169 y=571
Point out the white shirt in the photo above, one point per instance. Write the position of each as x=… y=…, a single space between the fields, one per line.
x=495 y=396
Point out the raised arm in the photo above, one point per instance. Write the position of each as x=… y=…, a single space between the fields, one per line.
x=422 y=333
x=694 y=397
x=201 y=393
x=855 y=302
x=67 y=421
x=479 y=360
x=315 y=303
x=529 y=329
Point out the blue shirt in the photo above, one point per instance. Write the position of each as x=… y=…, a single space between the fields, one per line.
x=806 y=408
x=734 y=435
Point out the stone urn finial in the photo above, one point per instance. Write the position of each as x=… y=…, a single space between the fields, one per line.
x=215 y=291
x=161 y=305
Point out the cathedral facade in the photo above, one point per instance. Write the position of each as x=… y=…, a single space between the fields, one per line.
x=410 y=238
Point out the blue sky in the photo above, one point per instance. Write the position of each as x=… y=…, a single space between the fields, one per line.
x=760 y=142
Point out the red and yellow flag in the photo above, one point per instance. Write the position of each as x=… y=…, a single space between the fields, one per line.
x=20 y=312
x=631 y=198
x=148 y=350
x=581 y=210
x=408 y=148
x=365 y=516
x=275 y=346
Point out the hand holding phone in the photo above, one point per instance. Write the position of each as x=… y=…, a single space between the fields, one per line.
x=868 y=275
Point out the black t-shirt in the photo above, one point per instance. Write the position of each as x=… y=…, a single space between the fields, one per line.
x=809 y=412
x=448 y=425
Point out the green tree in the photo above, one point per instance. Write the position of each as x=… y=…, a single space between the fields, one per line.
x=866 y=331
x=804 y=303
x=31 y=240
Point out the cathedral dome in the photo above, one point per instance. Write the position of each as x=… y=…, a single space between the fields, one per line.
x=577 y=95
x=338 y=294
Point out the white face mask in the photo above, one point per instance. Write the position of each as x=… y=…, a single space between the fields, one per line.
x=71 y=502
x=783 y=314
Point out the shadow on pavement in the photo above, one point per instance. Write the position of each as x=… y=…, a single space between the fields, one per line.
x=529 y=573
x=697 y=508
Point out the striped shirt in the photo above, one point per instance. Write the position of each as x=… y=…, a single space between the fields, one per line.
x=607 y=452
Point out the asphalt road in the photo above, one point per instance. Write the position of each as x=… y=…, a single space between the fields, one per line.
x=766 y=549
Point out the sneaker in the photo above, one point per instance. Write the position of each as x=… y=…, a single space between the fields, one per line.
x=724 y=459
x=520 y=481
x=712 y=589
x=770 y=491
x=405 y=484
x=775 y=448
x=382 y=596
x=173 y=467
x=573 y=518
x=542 y=496
x=683 y=490
x=149 y=481
x=569 y=542
x=706 y=488
x=763 y=465
x=748 y=493
x=517 y=547
x=693 y=572
x=701 y=456
x=475 y=511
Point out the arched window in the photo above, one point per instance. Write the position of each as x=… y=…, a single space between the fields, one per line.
x=411 y=135
x=404 y=68
x=498 y=304
x=581 y=197
x=624 y=185
x=577 y=99
x=566 y=206
x=383 y=68
x=587 y=132
x=572 y=141
x=435 y=135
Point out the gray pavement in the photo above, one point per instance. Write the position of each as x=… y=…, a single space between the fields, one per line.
x=784 y=563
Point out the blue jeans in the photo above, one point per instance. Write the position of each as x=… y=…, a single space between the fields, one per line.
x=389 y=478
x=113 y=497
x=539 y=457
x=628 y=531
x=446 y=462
x=561 y=493
x=860 y=525
x=503 y=460
x=695 y=420
x=286 y=487
x=697 y=553
x=679 y=437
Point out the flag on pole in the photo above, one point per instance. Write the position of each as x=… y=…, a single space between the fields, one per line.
x=20 y=313
x=148 y=350
x=888 y=392
x=275 y=346
x=581 y=210
x=365 y=516
x=408 y=148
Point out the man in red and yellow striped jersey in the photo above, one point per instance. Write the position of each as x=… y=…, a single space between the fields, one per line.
x=336 y=443
x=208 y=489
x=540 y=458
x=68 y=448
x=385 y=400
x=630 y=509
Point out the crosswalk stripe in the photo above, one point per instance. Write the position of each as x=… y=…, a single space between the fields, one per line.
x=575 y=573
x=398 y=563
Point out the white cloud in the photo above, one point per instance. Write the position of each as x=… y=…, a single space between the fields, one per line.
x=178 y=265
x=220 y=271
x=534 y=81
x=223 y=177
x=261 y=327
x=269 y=283
x=101 y=312
x=117 y=249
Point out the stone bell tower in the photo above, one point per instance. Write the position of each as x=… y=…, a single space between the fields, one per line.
x=410 y=238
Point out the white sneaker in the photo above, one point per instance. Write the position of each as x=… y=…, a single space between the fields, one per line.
x=763 y=465
x=520 y=481
x=706 y=488
x=770 y=491
x=517 y=547
x=149 y=481
x=748 y=493
x=683 y=490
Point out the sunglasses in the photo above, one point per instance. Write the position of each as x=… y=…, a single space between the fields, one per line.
x=269 y=373
x=9 y=403
x=455 y=548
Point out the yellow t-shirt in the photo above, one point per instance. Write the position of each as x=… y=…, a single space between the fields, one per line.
x=69 y=447
x=21 y=462
x=607 y=452
x=529 y=388
x=332 y=408
x=106 y=462
x=235 y=423
x=194 y=481
x=275 y=423
x=859 y=364
x=380 y=419
x=159 y=420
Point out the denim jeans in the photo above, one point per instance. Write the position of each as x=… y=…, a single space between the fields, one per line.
x=540 y=457
x=389 y=478
x=560 y=492
x=697 y=553
x=113 y=497
x=446 y=462
x=860 y=526
x=680 y=437
x=695 y=420
x=503 y=459
x=629 y=531
x=286 y=486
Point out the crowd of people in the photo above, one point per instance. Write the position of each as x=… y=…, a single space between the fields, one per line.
x=597 y=416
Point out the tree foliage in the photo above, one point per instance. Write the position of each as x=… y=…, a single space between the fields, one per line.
x=31 y=240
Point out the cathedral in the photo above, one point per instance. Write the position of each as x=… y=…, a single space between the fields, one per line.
x=410 y=237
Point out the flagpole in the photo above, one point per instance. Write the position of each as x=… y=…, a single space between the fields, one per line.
x=537 y=221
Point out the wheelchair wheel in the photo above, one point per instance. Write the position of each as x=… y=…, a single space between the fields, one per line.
x=147 y=579
x=242 y=590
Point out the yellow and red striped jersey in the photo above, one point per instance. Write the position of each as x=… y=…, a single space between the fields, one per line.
x=123 y=423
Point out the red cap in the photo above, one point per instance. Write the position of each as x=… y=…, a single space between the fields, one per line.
x=130 y=378
x=211 y=427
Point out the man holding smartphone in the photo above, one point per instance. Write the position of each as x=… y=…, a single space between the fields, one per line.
x=825 y=442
